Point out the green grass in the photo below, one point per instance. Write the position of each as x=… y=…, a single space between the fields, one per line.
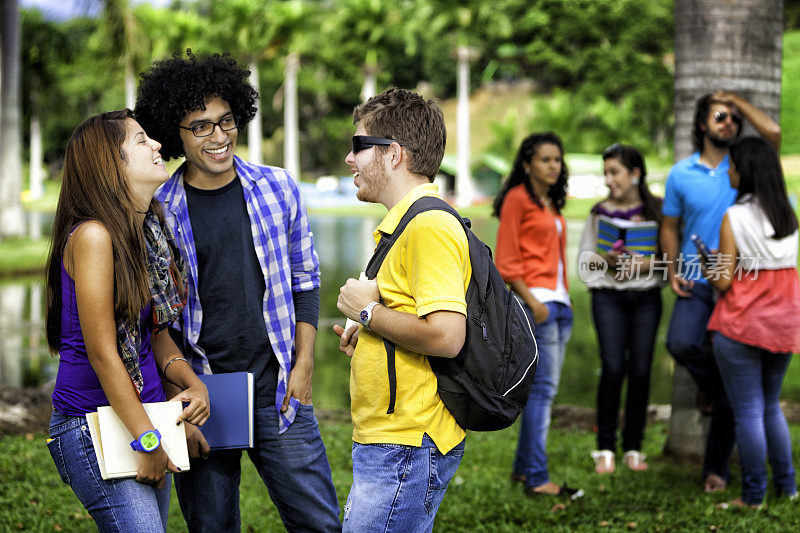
x=18 y=256
x=480 y=498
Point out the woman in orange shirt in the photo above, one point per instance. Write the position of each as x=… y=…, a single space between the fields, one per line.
x=531 y=257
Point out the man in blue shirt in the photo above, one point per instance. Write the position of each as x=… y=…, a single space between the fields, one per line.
x=697 y=196
x=253 y=292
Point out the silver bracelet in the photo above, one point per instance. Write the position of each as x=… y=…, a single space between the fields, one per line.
x=172 y=361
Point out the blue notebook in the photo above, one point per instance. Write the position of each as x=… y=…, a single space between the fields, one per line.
x=230 y=425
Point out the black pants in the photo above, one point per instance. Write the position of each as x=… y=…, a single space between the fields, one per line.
x=626 y=324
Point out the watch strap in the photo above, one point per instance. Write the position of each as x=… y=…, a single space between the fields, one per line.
x=365 y=316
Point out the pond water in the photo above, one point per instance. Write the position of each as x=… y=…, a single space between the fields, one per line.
x=344 y=245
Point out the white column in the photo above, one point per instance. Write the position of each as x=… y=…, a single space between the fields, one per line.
x=254 y=128
x=36 y=174
x=291 y=149
x=465 y=191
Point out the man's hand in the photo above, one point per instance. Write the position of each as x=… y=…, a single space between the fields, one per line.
x=725 y=97
x=196 y=442
x=199 y=408
x=680 y=286
x=355 y=295
x=299 y=385
x=347 y=339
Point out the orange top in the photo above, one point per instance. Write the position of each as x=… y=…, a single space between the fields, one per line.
x=528 y=243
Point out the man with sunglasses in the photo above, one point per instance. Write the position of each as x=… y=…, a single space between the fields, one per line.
x=405 y=451
x=698 y=192
x=253 y=292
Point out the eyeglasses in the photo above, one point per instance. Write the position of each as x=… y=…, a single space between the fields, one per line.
x=364 y=142
x=722 y=116
x=204 y=129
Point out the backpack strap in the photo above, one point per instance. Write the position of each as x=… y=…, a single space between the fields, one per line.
x=426 y=203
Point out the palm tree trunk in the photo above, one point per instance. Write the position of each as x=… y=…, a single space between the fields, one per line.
x=291 y=151
x=734 y=45
x=465 y=191
x=254 y=154
x=11 y=216
x=130 y=86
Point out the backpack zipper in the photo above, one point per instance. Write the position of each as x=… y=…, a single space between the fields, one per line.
x=536 y=357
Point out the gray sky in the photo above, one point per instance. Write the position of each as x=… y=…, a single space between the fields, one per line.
x=65 y=9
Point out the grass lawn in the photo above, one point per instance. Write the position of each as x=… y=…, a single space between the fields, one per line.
x=480 y=497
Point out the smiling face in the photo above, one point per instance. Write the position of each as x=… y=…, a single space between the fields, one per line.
x=210 y=159
x=142 y=164
x=544 y=168
x=369 y=172
x=621 y=182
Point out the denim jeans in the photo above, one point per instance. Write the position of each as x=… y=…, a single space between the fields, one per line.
x=398 y=488
x=551 y=338
x=626 y=323
x=294 y=467
x=687 y=341
x=753 y=379
x=122 y=505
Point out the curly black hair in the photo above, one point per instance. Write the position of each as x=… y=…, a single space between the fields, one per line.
x=175 y=87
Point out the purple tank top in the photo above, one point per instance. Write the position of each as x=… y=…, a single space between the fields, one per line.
x=78 y=390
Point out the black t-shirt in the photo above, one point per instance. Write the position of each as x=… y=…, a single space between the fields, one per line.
x=231 y=287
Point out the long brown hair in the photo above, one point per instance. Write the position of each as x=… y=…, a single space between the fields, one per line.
x=94 y=188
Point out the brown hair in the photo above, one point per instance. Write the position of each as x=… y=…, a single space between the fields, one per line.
x=415 y=123
x=94 y=188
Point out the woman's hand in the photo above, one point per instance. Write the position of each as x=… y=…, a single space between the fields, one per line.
x=196 y=442
x=153 y=467
x=540 y=312
x=199 y=408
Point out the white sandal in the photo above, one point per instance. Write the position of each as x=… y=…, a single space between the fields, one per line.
x=603 y=461
x=634 y=459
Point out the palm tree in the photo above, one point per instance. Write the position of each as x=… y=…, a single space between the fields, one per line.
x=715 y=43
x=11 y=216
x=126 y=43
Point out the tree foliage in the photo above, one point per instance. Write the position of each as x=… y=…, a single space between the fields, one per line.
x=601 y=67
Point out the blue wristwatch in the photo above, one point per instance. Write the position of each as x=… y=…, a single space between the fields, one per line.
x=147 y=441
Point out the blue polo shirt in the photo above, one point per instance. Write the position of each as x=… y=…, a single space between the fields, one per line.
x=699 y=196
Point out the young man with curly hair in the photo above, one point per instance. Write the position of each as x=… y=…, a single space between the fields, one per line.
x=405 y=456
x=253 y=292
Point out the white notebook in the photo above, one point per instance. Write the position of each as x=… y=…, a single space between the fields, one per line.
x=111 y=439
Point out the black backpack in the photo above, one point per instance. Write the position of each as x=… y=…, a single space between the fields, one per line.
x=486 y=386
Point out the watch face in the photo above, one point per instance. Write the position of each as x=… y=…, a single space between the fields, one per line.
x=149 y=441
x=364 y=316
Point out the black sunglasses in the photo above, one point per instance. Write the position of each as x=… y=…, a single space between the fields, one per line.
x=722 y=116
x=364 y=142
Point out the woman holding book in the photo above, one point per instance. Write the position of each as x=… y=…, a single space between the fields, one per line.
x=756 y=321
x=620 y=237
x=114 y=279
x=530 y=255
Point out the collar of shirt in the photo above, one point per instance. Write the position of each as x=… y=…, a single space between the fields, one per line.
x=392 y=218
x=694 y=161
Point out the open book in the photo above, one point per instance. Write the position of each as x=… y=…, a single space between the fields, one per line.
x=638 y=237
x=111 y=439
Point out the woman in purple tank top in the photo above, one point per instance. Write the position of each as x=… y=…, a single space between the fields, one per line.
x=114 y=279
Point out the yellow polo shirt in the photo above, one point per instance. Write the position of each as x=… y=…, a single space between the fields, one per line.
x=426 y=270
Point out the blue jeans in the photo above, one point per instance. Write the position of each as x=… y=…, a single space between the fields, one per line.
x=293 y=466
x=753 y=379
x=115 y=504
x=626 y=324
x=687 y=341
x=551 y=339
x=398 y=488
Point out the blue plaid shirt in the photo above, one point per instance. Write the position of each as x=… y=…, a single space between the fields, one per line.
x=285 y=249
